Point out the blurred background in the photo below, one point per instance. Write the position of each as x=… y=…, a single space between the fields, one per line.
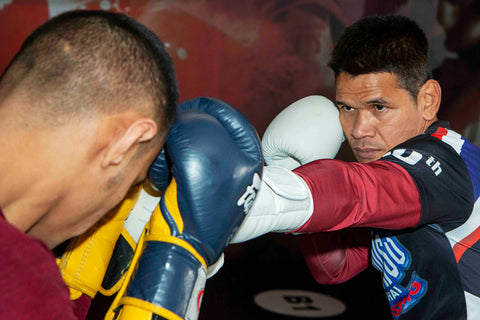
x=261 y=56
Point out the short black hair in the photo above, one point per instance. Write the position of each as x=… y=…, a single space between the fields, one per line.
x=92 y=60
x=394 y=44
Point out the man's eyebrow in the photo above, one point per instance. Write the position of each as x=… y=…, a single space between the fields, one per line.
x=374 y=101
x=377 y=101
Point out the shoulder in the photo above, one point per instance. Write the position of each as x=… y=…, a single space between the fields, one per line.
x=29 y=277
x=442 y=164
x=440 y=151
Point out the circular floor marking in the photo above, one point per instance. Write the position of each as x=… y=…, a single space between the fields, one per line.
x=299 y=303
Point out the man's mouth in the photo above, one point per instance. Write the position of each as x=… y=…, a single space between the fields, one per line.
x=366 y=154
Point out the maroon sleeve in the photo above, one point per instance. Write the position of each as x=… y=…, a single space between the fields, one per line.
x=378 y=194
x=336 y=256
x=30 y=282
x=81 y=306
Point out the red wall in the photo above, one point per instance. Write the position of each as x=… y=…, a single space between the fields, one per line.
x=260 y=56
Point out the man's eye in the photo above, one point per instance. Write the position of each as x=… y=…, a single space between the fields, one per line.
x=346 y=108
x=379 y=107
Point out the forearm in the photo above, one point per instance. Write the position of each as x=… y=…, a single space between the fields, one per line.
x=337 y=256
x=380 y=194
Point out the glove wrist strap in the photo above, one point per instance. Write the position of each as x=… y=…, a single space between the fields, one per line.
x=172 y=281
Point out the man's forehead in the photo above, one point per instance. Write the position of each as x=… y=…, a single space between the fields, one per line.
x=369 y=88
x=367 y=80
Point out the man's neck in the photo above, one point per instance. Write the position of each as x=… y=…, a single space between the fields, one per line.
x=25 y=193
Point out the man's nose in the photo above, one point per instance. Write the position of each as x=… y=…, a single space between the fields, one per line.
x=363 y=126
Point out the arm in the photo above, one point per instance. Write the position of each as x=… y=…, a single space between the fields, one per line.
x=349 y=195
x=335 y=257
x=328 y=195
x=360 y=195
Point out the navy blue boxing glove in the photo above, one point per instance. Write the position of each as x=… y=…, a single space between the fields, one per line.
x=216 y=165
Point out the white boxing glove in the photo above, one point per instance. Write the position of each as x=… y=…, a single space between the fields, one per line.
x=307 y=130
x=283 y=203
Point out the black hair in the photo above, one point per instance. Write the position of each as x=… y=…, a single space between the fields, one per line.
x=92 y=60
x=394 y=44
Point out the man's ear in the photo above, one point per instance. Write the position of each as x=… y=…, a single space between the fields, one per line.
x=431 y=96
x=127 y=138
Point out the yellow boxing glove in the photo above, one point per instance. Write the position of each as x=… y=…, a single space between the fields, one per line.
x=88 y=257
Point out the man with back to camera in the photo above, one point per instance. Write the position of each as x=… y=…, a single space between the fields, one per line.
x=410 y=204
x=85 y=107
